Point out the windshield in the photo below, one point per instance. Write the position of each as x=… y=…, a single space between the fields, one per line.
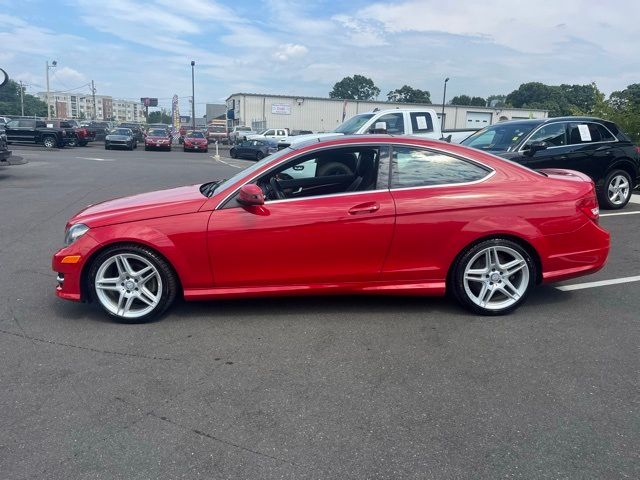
x=217 y=129
x=195 y=135
x=499 y=138
x=353 y=124
x=158 y=132
x=260 y=132
x=121 y=131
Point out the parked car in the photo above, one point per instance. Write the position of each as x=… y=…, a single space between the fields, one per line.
x=421 y=122
x=254 y=149
x=82 y=134
x=158 y=138
x=136 y=128
x=239 y=134
x=195 y=141
x=217 y=133
x=277 y=134
x=5 y=153
x=589 y=145
x=99 y=130
x=413 y=216
x=120 y=137
x=28 y=130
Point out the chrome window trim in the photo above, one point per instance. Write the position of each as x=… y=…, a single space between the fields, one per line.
x=490 y=174
x=522 y=149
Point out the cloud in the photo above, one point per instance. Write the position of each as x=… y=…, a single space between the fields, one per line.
x=360 y=32
x=68 y=76
x=290 y=50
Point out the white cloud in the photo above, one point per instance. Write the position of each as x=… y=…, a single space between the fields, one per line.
x=290 y=50
x=361 y=33
x=67 y=76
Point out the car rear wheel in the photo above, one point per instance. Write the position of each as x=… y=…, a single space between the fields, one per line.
x=616 y=191
x=132 y=284
x=259 y=155
x=49 y=142
x=233 y=153
x=73 y=142
x=493 y=277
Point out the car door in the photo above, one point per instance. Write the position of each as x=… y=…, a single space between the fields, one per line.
x=593 y=148
x=555 y=152
x=12 y=129
x=320 y=239
x=435 y=194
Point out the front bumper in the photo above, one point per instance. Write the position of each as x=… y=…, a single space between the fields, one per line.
x=195 y=146
x=69 y=274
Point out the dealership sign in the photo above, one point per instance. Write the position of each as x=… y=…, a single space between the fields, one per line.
x=281 y=108
x=149 y=102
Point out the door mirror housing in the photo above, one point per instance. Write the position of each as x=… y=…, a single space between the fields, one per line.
x=536 y=147
x=250 y=194
x=379 y=127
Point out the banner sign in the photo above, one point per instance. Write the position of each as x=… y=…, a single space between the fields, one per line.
x=281 y=108
x=175 y=112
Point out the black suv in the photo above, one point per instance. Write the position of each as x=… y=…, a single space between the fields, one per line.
x=37 y=131
x=589 y=145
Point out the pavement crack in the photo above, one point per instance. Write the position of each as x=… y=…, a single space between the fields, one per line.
x=80 y=347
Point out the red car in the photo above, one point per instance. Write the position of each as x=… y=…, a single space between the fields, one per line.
x=361 y=214
x=195 y=141
x=159 y=138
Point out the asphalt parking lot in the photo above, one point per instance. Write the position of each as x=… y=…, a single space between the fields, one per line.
x=296 y=388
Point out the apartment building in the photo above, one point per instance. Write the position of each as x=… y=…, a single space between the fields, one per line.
x=70 y=105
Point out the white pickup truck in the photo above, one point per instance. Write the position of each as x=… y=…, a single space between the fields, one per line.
x=422 y=122
x=278 y=134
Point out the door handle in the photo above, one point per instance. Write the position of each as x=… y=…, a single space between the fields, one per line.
x=368 y=207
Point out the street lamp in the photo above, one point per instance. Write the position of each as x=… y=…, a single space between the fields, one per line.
x=53 y=65
x=193 y=97
x=444 y=97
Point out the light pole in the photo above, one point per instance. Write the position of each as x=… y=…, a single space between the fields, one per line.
x=193 y=97
x=444 y=97
x=53 y=65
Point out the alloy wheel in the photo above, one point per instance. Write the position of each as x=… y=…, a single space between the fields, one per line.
x=618 y=190
x=128 y=285
x=496 y=277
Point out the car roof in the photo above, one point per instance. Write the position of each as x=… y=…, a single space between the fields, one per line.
x=540 y=121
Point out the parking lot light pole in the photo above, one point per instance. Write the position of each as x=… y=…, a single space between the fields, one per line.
x=193 y=97
x=444 y=98
x=53 y=64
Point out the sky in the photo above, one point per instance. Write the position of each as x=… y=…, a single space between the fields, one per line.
x=134 y=48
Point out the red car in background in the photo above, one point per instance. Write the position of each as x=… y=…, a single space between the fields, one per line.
x=195 y=142
x=158 y=138
x=369 y=214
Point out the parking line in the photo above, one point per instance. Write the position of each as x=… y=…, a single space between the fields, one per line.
x=635 y=198
x=222 y=161
x=97 y=159
x=601 y=283
x=619 y=213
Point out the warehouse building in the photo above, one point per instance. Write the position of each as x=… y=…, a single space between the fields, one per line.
x=324 y=114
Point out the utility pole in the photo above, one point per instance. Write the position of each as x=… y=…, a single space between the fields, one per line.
x=22 y=98
x=95 y=107
x=193 y=97
x=53 y=64
x=444 y=98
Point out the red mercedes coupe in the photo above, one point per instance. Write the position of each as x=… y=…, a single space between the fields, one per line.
x=372 y=214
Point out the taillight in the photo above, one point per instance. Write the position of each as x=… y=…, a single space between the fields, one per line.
x=638 y=150
x=589 y=206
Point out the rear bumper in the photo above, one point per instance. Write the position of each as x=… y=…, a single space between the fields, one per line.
x=582 y=252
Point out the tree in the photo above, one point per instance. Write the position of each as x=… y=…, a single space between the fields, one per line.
x=559 y=100
x=357 y=87
x=408 y=94
x=10 y=101
x=497 y=101
x=623 y=108
x=159 y=117
x=467 y=100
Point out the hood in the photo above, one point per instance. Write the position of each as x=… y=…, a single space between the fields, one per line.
x=309 y=136
x=155 y=138
x=161 y=203
x=118 y=137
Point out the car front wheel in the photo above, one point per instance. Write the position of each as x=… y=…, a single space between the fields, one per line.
x=616 y=191
x=49 y=142
x=132 y=284
x=493 y=277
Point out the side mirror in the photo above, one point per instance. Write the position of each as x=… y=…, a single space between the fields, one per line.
x=536 y=147
x=379 y=127
x=250 y=194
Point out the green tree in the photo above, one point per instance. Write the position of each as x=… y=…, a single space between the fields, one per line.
x=10 y=101
x=159 y=117
x=622 y=108
x=499 y=101
x=409 y=94
x=558 y=99
x=467 y=100
x=357 y=87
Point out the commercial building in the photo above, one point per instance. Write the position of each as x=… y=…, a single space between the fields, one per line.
x=324 y=114
x=71 y=105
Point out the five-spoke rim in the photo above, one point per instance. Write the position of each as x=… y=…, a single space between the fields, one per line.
x=496 y=277
x=618 y=190
x=128 y=285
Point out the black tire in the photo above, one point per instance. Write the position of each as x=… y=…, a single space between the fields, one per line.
x=131 y=147
x=527 y=277
x=146 y=149
x=333 y=168
x=233 y=153
x=184 y=150
x=167 y=275
x=206 y=150
x=259 y=155
x=83 y=144
x=72 y=143
x=611 y=178
x=106 y=147
x=49 y=142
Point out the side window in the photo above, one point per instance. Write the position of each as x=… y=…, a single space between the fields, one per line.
x=269 y=132
x=30 y=124
x=555 y=134
x=414 y=167
x=13 y=124
x=394 y=121
x=281 y=132
x=589 y=133
x=421 y=122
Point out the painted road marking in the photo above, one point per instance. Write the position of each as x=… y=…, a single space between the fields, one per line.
x=635 y=198
x=229 y=164
x=97 y=159
x=601 y=283
x=619 y=213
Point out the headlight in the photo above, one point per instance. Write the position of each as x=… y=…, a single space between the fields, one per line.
x=74 y=232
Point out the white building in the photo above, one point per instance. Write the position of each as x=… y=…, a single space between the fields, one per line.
x=324 y=114
x=80 y=106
